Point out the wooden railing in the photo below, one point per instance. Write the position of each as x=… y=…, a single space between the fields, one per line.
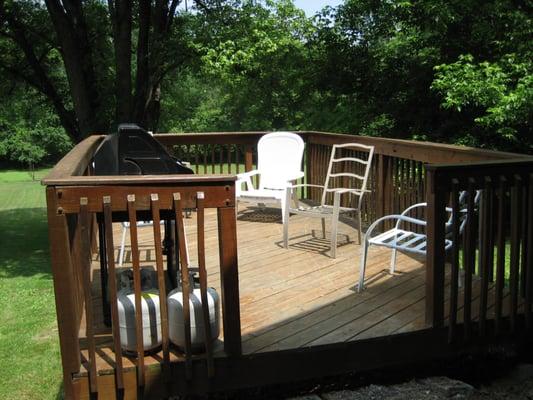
x=76 y=200
x=500 y=225
x=399 y=177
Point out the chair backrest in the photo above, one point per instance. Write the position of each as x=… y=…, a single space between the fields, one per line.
x=350 y=169
x=279 y=158
x=463 y=215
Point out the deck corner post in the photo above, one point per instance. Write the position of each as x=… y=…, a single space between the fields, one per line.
x=229 y=276
x=380 y=186
x=65 y=285
x=248 y=158
x=435 y=256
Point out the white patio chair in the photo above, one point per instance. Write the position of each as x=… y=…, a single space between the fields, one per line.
x=279 y=163
x=356 y=187
x=410 y=242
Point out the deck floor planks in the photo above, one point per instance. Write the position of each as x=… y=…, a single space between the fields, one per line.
x=297 y=297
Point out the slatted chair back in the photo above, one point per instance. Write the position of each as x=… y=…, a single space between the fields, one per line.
x=352 y=174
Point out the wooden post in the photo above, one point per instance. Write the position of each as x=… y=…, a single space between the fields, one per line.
x=229 y=277
x=65 y=286
x=383 y=186
x=248 y=158
x=436 y=218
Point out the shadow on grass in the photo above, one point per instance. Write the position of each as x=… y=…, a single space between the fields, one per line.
x=24 y=243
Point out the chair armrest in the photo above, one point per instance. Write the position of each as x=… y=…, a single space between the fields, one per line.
x=418 y=205
x=304 y=185
x=297 y=175
x=345 y=190
x=393 y=217
x=246 y=178
x=248 y=174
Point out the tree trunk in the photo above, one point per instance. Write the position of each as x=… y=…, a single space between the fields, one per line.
x=120 y=12
x=69 y=23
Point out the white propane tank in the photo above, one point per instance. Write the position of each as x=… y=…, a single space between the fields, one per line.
x=175 y=317
x=151 y=320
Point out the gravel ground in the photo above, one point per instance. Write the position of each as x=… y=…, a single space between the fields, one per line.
x=516 y=384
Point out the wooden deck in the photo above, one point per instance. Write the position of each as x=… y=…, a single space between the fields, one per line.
x=298 y=297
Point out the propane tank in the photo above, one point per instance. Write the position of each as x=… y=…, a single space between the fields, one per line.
x=151 y=315
x=176 y=320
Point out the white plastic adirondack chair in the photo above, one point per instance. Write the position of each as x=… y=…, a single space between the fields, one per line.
x=403 y=240
x=332 y=212
x=279 y=163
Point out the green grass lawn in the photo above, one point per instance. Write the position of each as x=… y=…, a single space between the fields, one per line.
x=29 y=346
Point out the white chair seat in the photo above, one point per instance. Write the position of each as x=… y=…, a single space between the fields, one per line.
x=319 y=211
x=405 y=241
x=263 y=195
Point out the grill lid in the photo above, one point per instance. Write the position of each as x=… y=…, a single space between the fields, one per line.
x=133 y=151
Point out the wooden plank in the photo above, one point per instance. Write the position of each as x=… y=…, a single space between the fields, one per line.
x=65 y=290
x=529 y=259
x=469 y=250
x=486 y=254
x=427 y=152
x=186 y=285
x=229 y=276
x=246 y=138
x=156 y=219
x=481 y=170
x=347 y=324
x=122 y=180
x=132 y=217
x=221 y=194
x=75 y=162
x=500 y=261
x=115 y=326
x=516 y=218
x=86 y=268
x=436 y=217
x=203 y=283
x=454 y=280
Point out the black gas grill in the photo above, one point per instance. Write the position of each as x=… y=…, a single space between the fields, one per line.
x=134 y=151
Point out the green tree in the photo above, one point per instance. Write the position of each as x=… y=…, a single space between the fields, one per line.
x=261 y=63
x=377 y=69
x=96 y=63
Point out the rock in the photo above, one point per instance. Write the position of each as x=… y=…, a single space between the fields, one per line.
x=448 y=388
x=307 y=397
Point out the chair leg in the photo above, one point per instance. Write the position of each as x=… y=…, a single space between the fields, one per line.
x=359 y=226
x=393 y=261
x=285 y=209
x=361 y=284
x=334 y=225
x=122 y=246
x=323 y=227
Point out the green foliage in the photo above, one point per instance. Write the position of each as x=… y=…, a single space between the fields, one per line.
x=254 y=71
x=30 y=133
x=439 y=70
x=503 y=90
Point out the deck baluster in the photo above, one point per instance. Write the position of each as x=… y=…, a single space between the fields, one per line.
x=110 y=250
x=86 y=271
x=132 y=216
